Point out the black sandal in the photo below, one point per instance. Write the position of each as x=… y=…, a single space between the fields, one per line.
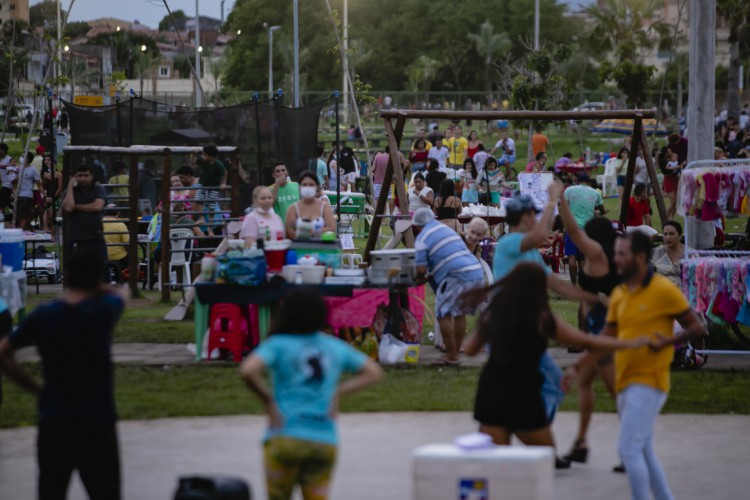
x=579 y=453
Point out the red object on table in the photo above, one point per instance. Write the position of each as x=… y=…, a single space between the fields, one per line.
x=275 y=259
x=359 y=310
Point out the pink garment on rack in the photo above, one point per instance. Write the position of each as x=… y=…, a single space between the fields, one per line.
x=359 y=309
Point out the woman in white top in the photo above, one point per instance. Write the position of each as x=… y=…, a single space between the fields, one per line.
x=309 y=217
x=421 y=195
x=262 y=222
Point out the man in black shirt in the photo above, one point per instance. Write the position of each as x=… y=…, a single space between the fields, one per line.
x=83 y=202
x=77 y=416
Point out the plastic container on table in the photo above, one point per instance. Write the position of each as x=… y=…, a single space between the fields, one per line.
x=12 y=248
x=327 y=253
x=276 y=254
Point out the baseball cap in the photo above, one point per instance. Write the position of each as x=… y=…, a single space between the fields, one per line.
x=40 y=150
x=520 y=203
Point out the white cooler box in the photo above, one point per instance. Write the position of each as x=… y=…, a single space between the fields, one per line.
x=447 y=472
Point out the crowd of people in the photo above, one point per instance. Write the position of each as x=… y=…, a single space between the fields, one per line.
x=629 y=301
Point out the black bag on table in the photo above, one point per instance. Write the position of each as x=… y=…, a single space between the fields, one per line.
x=212 y=488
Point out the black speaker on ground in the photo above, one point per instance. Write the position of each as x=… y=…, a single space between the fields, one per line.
x=212 y=488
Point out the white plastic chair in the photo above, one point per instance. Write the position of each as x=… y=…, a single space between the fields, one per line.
x=179 y=239
x=608 y=181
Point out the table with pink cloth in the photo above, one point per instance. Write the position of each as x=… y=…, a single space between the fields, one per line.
x=359 y=309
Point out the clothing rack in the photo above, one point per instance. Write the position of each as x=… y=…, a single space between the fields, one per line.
x=714 y=166
x=715 y=265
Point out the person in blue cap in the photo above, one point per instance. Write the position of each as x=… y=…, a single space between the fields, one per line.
x=525 y=235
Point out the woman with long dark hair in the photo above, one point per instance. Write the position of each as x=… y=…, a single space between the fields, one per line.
x=518 y=325
x=468 y=176
x=306 y=366
x=597 y=275
x=447 y=206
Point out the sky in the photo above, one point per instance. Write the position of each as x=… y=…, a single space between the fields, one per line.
x=147 y=12
x=150 y=12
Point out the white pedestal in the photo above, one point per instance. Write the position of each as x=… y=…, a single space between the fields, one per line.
x=446 y=472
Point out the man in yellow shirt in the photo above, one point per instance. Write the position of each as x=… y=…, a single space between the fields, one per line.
x=117 y=238
x=457 y=146
x=645 y=303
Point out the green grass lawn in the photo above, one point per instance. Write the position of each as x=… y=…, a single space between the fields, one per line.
x=149 y=392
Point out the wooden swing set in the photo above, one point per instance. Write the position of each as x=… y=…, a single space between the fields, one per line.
x=395 y=132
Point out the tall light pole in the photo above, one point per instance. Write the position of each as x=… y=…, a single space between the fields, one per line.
x=270 y=30
x=296 y=54
x=345 y=85
x=536 y=24
x=198 y=102
x=141 y=57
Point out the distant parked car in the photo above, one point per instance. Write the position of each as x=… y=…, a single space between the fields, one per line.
x=590 y=106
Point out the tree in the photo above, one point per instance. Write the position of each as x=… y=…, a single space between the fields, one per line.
x=633 y=79
x=76 y=29
x=44 y=14
x=626 y=22
x=488 y=44
x=421 y=74
x=736 y=16
x=126 y=47
x=180 y=17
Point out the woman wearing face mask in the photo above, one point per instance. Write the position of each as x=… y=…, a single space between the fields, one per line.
x=309 y=217
x=262 y=222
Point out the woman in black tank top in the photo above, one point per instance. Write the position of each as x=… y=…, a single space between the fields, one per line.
x=598 y=275
x=447 y=206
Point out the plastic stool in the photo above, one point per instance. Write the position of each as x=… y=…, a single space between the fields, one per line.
x=228 y=329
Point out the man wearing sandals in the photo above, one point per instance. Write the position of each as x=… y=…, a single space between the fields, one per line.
x=441 y=252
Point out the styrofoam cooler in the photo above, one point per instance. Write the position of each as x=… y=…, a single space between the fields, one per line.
x=12 y=248
x=447 y=472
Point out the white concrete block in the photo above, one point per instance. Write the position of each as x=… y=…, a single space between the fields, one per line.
x=447 y=472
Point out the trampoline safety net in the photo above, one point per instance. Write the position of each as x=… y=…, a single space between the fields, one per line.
x=265 y=132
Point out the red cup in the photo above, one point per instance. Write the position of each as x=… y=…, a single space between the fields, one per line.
x=275 y=260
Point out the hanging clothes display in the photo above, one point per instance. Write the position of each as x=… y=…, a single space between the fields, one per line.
x=718 y=287
x=711 y=192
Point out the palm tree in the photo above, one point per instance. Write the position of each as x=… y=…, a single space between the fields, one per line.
x=421 y=74
x=626 y=22
x=76 y=71
x=488 y=43
x=736 y=16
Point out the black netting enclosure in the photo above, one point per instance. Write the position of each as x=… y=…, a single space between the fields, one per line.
x=265 y=132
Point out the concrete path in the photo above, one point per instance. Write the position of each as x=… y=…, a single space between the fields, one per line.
x=178 y=354
x=704 y=456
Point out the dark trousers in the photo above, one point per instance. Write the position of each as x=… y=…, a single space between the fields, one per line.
x=91 y=449
x=99 y=246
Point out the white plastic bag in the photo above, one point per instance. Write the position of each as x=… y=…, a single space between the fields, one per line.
x=392 y=350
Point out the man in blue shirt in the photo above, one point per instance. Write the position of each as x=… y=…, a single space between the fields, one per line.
x=441 y=252
x=77 y=413
x=525 y=236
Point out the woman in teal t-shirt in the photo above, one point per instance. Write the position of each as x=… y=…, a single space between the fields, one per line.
x=305 y=366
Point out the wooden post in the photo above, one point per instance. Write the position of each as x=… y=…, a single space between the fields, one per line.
x=398 y=177
x=634 y=146
x=234 y=190
x=133 y=228
x=372 y=238
x=166 y=215
x=652 y=175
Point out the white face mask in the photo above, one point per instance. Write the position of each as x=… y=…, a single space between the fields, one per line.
x=263 y=210
x=308 y=192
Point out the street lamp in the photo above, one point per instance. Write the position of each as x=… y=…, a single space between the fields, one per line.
x=141 y=62
x=270 y=30
x=239 y=32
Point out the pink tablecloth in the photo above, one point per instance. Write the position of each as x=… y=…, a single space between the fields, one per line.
x=359 y=310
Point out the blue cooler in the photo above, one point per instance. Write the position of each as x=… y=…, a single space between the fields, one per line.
x=12 y=248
